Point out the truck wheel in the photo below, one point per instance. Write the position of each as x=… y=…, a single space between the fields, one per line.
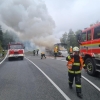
x=9 y=59
x=22 y=58
x=90 y=66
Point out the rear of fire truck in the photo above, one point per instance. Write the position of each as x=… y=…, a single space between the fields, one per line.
x=89 y=41
x=15 y=50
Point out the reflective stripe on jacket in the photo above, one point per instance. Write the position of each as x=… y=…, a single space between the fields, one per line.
x=76 y=72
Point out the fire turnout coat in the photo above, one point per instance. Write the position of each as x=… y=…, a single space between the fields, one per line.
x=75 y=64
x=55 y=50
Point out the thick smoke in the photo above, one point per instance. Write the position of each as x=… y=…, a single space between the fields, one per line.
x=29 y=19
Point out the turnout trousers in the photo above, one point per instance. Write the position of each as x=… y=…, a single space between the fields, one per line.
x=77 y=81
x=55 y=54
x=43 y=55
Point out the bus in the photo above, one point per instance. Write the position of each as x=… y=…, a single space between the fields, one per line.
x=62 y=49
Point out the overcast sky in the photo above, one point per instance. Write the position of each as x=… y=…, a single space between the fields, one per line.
x=73 y=14
x=44 y=21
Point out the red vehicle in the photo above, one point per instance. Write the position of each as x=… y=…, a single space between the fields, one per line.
x=15 y=50
x=89 y=41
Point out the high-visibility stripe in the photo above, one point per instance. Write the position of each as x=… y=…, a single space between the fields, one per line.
x=69 y=57
x=79 y=86
x=71 y=71
x=90 y=44
x=70 y=82
x=77 y=64
x=84 y=65
x=76 y=72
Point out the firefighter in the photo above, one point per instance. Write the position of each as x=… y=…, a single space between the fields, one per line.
x=55 y=52
x=43 y=55
x=3 y=52
x=70 y=50
x=33 y=52
x=75 y=64
x=37 y=51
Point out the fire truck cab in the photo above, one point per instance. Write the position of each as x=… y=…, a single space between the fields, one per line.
x=15 y=50
x=89 y=41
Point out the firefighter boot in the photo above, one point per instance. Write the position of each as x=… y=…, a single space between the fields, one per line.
x=80 y=95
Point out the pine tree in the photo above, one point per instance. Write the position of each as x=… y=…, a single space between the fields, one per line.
x=1 y=36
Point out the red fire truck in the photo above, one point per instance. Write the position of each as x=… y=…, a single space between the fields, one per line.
x=15 y=50
x=89 y=40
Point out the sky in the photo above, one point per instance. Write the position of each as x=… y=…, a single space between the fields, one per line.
x=43 y=22
x=73 y=14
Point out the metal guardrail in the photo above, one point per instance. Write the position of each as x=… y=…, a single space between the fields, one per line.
x=3 y=58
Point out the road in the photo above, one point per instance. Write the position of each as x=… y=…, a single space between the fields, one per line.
x=46 y=79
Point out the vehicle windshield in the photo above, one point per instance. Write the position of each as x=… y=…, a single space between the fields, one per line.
x=97 y=33
x=16 y=47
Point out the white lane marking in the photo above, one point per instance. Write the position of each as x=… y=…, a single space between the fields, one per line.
x=95 y=86
x=63 y=94
x=4 y=58
x=91 y=83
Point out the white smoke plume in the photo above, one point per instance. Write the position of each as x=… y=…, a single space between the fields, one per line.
x=29 y=19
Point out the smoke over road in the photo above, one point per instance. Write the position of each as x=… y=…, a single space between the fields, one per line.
x=29 y=19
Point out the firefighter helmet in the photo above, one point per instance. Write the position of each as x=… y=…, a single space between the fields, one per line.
x=75 y=49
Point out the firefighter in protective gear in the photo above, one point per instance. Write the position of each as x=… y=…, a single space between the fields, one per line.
x=34 y=52
x=43 y=55
x=3 y=53
x=55 y=51
x=37 y=51
x=75 y=64
x=70 y=50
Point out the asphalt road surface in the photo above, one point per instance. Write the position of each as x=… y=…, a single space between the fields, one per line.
x=42 y=79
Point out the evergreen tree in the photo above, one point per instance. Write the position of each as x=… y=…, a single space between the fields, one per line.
x=1 y=36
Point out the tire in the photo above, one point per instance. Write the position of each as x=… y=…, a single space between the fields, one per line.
x=22 y=58
x=90 y=67
x=9 y=59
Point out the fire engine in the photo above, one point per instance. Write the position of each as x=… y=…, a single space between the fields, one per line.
x=89 y=40
x=15 y=50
